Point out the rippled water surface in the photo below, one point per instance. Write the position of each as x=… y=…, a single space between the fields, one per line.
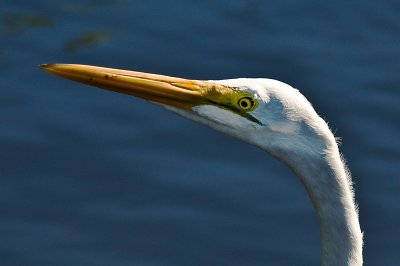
x=90 y=177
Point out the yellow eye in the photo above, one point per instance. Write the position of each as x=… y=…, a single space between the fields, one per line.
x=246 y=103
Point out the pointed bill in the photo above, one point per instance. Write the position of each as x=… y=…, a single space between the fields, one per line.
x=178 y=92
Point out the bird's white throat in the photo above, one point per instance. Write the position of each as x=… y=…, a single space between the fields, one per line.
x=313 y=155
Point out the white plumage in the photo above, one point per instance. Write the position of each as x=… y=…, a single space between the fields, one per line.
x=292 y=131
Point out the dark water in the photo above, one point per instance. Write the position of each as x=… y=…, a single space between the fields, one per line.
x=89 y=177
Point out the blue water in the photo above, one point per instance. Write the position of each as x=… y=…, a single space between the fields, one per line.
x=90 y=177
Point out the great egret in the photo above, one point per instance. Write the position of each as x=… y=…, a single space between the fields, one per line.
x=268 y=114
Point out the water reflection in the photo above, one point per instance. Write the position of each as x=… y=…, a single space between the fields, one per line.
x=15 y=24
x=86 y=40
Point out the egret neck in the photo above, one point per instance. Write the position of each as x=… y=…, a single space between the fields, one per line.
x=327 y=185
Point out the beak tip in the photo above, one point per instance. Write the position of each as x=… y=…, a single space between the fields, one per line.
x=47 y=67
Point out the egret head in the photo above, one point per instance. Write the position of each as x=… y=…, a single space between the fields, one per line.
x=264 y=112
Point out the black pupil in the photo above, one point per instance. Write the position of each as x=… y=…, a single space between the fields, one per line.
x=246 y=103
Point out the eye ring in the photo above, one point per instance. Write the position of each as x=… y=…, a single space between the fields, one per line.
x=246 y=103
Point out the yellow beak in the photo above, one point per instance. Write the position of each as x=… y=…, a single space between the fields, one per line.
x=178 y=92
